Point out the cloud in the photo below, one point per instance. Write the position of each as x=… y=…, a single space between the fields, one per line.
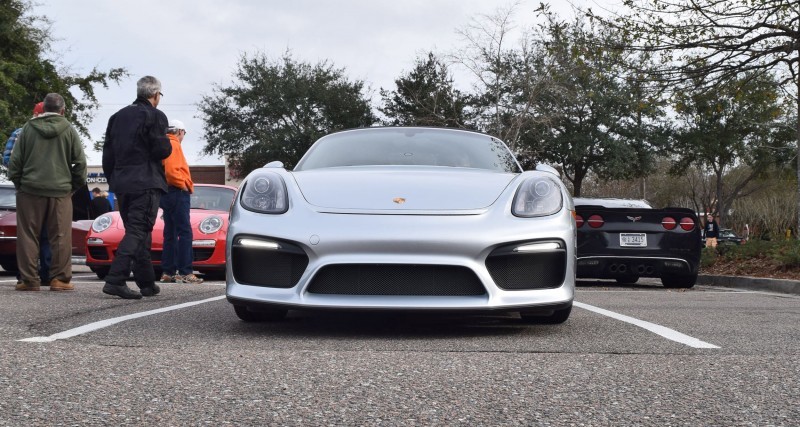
x=192 y=44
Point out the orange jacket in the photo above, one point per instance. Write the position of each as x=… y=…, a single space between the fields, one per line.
x=175 y=167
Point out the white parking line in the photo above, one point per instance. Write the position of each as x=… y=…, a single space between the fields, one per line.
x=108 y=322
x=665 y=332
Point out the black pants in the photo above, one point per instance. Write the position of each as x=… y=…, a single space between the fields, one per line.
x=138 y=211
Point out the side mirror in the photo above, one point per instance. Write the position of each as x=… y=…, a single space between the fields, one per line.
x=274 y=164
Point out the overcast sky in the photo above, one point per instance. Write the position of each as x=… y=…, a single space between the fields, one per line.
x=192 y=44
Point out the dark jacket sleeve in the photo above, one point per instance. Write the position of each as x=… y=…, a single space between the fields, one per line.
x=108 y=153
x=160 y=147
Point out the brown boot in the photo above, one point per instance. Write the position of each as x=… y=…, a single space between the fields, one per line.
x=22 y=286
x=57 y=285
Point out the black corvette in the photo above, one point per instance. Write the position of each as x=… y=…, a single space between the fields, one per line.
x=628 y=239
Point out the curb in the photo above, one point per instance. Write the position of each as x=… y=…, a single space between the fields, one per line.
x=782 y=286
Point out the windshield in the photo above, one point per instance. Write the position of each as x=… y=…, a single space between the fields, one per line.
x=213 y=198
x=410 y=146
x=8 y=197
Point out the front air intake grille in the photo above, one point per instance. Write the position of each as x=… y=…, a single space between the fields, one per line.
x=396 y=279
x=155 y=256
x=201 y=254
x=98 y=253
x=273 y=268
x=522 y=271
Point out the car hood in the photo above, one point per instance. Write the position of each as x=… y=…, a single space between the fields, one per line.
x=399 y=188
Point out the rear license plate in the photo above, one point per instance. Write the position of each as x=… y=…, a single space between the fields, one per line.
x=637 y=240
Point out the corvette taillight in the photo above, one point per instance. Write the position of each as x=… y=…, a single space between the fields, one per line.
x=687 y=224
x=596 y=221
x=578 y=221
x=669 y=223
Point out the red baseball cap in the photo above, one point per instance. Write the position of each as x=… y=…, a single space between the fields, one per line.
x=38 y=108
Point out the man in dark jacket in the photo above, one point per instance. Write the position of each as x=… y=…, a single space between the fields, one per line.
x=99 y=204
x=136 y=143
x=47 y=165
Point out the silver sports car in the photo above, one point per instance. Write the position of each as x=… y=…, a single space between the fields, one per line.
x=403 y=218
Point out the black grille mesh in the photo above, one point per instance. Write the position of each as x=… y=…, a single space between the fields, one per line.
x=98 y=252
x=269 y=268
x=543 y=270
x=202 y=254
x=396 y=279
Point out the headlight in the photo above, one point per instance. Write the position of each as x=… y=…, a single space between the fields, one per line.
x=211 y=224
x=102 y=223
x=537 y=196
x=265 y=192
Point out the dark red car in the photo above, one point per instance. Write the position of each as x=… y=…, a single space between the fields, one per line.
x=8 y=230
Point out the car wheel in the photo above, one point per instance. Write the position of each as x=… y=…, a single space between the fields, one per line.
x=558 y=316
x=10 y=267
x=101 y=272
x=213 y=274
x=627 y=280
x=679 y=281
x=259 y=316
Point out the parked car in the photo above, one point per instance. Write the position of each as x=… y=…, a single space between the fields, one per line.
x=209 y=219
x=402 y=218
x=627 y=239
x=8 y=230
x=727 y=237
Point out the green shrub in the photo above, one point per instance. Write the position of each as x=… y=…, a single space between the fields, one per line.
x=708 y=257
x=786 y=253
x=751 y=249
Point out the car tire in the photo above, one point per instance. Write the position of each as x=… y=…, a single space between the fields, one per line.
x=627 y=280
x=10 y=267
x=213 y=274
x=101 y=272
x=684 y=282
x=536 y=318
x=267 y=315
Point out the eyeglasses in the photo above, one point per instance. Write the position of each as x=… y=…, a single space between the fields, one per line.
x=161 y=94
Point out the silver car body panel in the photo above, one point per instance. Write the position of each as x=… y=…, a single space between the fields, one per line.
x=455 y=217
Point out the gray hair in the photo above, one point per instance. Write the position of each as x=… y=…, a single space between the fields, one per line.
x=53 y=103
x=147 y=87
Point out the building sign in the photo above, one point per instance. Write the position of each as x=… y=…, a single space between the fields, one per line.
x=96 y=178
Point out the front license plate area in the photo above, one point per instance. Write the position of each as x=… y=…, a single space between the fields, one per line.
x=633 y=240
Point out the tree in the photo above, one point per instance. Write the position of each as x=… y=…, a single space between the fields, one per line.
x=505 y=86
x=737 y=125
x=27 y=74
x=601 y=117
x=426 y=97
x=713 y=42
x=275 y=110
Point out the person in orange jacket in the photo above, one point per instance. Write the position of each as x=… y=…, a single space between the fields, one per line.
x=176 y=258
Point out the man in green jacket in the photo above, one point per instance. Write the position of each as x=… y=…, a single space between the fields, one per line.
x=47 y=165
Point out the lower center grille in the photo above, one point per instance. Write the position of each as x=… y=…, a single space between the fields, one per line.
x=396 y=279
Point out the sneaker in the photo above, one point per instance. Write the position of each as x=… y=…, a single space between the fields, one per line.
x=22 y=286
x=57 y=285
x=149 y=291
x=189 y=278
x=123 y=291
x=166 y=278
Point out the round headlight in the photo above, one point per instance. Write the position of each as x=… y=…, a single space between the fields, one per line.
x=211 y=224
x=537 y=196
x=265 y=192
x=261 y=185
x=102 y=223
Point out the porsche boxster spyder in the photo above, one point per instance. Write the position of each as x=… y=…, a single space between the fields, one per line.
x=402 y=218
